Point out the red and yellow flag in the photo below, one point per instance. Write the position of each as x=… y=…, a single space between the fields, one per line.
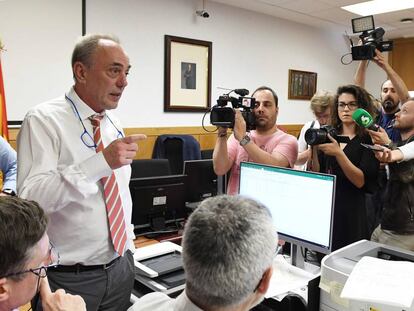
x=3 y=115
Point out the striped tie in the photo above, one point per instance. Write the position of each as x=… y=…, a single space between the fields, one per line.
x=112 y=199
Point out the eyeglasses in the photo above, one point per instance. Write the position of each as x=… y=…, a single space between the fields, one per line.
x=86 y=137
x=53 y=256
x=351 y=106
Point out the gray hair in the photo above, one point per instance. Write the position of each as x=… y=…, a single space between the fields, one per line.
x=86 y=47
x=228 y=243
x=322 y=101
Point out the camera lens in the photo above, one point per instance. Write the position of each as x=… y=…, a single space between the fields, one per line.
x=315 y=136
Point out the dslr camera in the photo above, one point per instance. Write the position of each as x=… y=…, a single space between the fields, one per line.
x=314 y=136
x=223 y=115
x=371 y=38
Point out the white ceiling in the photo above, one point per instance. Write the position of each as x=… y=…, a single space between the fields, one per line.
x=326 y=13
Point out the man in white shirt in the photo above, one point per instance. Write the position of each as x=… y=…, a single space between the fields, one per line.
x=228 y=247
x=74 y=160
x=26 y=253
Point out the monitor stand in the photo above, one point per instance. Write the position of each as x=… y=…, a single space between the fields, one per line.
x=296 y=256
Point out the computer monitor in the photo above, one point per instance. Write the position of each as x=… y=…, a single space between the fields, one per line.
x=157 y=202
x=201 y=180
x=301 y=202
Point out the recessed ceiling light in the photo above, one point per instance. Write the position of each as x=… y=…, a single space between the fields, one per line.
x=378 y=6
x=406 y=20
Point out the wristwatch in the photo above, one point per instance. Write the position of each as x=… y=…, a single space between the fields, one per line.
x=9 y=192
x=244 y=141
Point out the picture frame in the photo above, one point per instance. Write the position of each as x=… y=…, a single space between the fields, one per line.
x=302 y=84
x=187 y=76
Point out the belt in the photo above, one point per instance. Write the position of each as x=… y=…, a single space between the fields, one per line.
x=81 y=268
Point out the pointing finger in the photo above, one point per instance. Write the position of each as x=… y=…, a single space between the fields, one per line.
x=134 y=138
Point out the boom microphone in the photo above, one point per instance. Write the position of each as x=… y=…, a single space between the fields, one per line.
x=364 y=119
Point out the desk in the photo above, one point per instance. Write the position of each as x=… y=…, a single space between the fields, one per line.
x=287 y=304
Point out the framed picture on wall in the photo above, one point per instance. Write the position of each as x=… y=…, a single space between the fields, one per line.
x=302 y=84
x=187 y=80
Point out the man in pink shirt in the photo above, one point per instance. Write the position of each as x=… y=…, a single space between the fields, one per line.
x=267 y=144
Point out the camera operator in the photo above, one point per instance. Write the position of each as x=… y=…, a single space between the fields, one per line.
x=354 y=166
x=267 y=144
x=393 y=92
x=321 y=105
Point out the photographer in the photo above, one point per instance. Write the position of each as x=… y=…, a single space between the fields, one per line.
x=321 y=105
x=355 y=167
x=267 y=144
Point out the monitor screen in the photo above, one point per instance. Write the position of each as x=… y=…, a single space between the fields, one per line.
x=301 y=202
x=157 y=201
x=201 y=180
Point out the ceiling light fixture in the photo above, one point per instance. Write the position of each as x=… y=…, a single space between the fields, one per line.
x=378 y=7
x=406 y=20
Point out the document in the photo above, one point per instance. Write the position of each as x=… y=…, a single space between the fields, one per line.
x=381 y=281
x=287 y=278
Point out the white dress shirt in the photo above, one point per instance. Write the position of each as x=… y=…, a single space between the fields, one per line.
x=62 y=174
x=160 y=301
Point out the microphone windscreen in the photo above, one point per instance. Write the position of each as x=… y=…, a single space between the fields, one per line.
x=362 y=118
x=242 y=92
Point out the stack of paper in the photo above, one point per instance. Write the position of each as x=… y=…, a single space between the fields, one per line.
x=287 y=278
x=381 y=281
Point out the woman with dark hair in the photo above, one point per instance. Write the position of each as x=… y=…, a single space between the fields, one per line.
x=355 y=166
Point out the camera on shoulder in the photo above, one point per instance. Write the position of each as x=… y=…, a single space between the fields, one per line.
x=223 y=115
x=371 y=38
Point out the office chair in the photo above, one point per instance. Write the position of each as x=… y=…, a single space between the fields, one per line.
x=177 y=149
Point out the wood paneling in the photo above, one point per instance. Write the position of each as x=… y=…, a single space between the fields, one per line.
x=206 y=139
x=402 y=61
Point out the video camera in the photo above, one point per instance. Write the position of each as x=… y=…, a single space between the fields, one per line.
x=222 y=115
x=318 y=136
x=371 y=37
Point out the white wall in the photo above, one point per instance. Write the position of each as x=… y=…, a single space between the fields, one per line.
x=39 y=36
x=249 y=49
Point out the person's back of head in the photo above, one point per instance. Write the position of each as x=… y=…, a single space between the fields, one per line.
x=22 y=225
x=229 y=244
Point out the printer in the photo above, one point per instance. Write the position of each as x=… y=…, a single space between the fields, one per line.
x=159 y=267
x=337 y=266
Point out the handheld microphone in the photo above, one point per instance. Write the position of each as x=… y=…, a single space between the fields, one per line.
x=364 y=119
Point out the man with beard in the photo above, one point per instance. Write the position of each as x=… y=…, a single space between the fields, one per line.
x=397 y=224
x=267 y=144
x=393 y=92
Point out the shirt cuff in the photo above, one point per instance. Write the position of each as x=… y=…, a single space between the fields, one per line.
x=96 y=167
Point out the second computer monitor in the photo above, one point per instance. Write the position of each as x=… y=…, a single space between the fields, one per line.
x=201 y=180
x=301 y=203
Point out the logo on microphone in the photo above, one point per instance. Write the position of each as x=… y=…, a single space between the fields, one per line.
x=365 y=120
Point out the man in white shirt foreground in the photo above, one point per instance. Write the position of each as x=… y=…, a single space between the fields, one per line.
x=26 y=254
x=74 y=161
x=228 y=247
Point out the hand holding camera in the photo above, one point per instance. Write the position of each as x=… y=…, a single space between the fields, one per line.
x=332 y=148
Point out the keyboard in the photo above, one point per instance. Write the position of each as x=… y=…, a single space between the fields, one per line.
x=165 y=263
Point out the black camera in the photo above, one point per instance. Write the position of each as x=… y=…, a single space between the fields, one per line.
x=371 y=38
x=314 y=136
x=223 y=115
